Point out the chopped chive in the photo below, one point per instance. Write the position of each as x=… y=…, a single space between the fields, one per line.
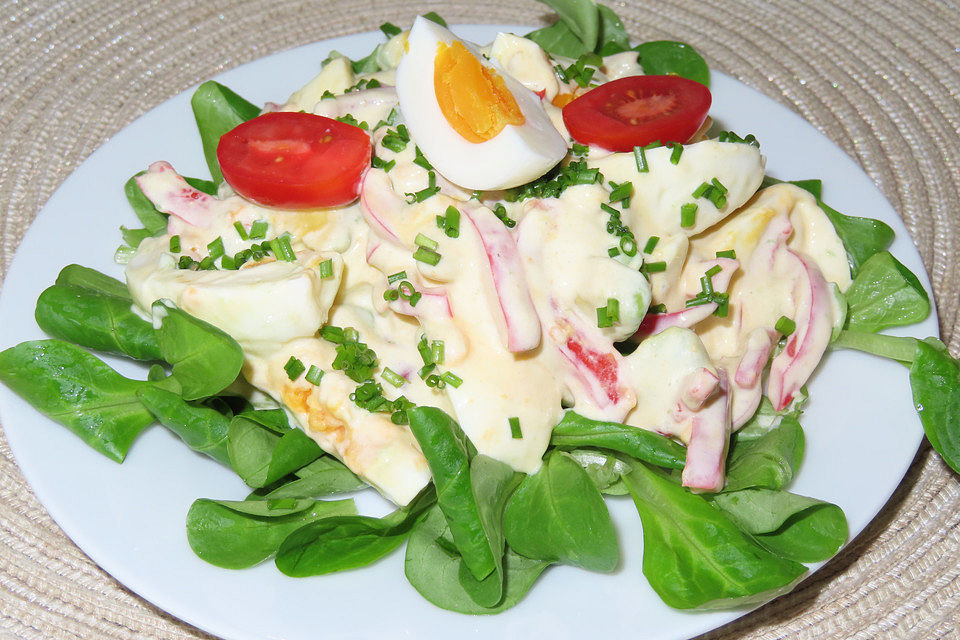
x=406 y=289
x=452 y=379
x=391 y=294
x=226 y=262
x=258 y=230
x=415 y=298
x=441 y=222
x=174 y=244
x=628 y=245
x=515 y=431
x=613 y=252
x=580 y=149
x=452 y=222
x=714 y=270
x=399 y=275
x=433 y=380
x=621 y=193
x=641 y=159
x=208 y=264
x=216 y=248
x=651 y=244
x=394 y=141
x=390 y=29
x=697 y=301
x=654 y=267
x=729 y=253
x=332 y=334
x=186 y=262
x=677 y=152
x=718 y=199
x=426 y=370
x=425 y=241
x=326 y=269
x=241 y=230
x=702 y=189
x=294 y=368
x=785 y=326
x=421 y=160
x=282 y=250
x=314 y=375
x=723 y=305
x=613 y=310
x=379 y=163
x=657 y=308
x=706 y=284
x=350 y=334
x=653 y=145
x=719 y=186
x=603 y=318
x=609 y=209
x=422 y=254
x=426 y=353
x=688 y=214
x=393 y=378
x=436 y=349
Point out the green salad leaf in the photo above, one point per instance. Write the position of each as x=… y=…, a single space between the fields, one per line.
x=576 y=431
x=665 y=57
x=885 y=294
x=217 y=110
x=203 y=429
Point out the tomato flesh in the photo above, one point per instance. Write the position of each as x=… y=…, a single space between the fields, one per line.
x=635 y=111
x=295 y=160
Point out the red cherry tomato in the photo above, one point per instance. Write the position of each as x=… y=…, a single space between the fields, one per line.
x=635 y=111
x=295 y=160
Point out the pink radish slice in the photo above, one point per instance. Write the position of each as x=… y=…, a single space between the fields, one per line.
x=792 y=367
x=700 y=386
x=654 y=323
x=596 y=365
x=170 y=193
x=709 y=438
x=380 y=206
x=754 y=358
x=522 y=325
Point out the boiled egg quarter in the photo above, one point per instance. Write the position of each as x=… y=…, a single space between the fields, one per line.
x=476 y=125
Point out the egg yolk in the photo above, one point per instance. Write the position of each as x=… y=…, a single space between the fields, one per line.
x=474 y=99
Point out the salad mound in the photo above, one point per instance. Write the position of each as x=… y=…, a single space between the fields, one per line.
x=495 y=284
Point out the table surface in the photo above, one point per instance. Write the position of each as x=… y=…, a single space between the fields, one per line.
x=880 y=78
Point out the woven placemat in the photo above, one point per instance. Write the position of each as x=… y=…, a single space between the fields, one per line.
x=881 y=79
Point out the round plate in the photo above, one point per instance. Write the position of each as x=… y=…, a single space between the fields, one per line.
x=862 y=432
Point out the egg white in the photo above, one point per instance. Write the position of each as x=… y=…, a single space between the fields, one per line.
x=515 y=156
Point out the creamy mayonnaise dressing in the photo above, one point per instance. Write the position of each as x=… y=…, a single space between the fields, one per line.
x=516 y=307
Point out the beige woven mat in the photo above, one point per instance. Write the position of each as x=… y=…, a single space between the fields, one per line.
x=881 y=79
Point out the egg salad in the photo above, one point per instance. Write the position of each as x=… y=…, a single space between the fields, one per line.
x=504 y=273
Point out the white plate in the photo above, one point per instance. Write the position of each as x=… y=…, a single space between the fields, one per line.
x=862 y=432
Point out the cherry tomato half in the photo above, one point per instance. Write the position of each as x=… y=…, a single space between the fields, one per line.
x=295 y=160
x=635 y=111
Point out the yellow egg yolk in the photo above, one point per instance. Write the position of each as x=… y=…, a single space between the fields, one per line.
x=474 y=99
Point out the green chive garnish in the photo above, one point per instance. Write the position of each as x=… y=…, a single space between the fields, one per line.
x=425 y=241
x=426 y=353
x=613 y=310
x=393 y=378
x=326 y=268
x=422 y=254
x=785 y=326
x=515 y=431
x=314 y=375
x=621 y=193
x=174 y=244
x=332 y=334
x=186 y=262
x=628 y=245
x=208 y=264
x=702 y=189
x=654 y=267
x=651 y=244
x=729 y=253
x=688 y=214
x=719 y=186
x=226 y=262
x=451 y=223
x=641 y=158
x=677 y=152
x=436 y=350
x=258 y=230
x=399 y=275
x=613 y=252
x=657 y=308
x=452 y=379
x=294 y=368
x=714 y=270
x=282 y=250
x=216 y=248
x=603 y=318
x=241 y=230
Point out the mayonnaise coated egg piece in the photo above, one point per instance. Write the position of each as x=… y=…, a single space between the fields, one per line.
x=476 y=125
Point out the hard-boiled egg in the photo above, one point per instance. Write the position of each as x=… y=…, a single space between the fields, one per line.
x=476 y=125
